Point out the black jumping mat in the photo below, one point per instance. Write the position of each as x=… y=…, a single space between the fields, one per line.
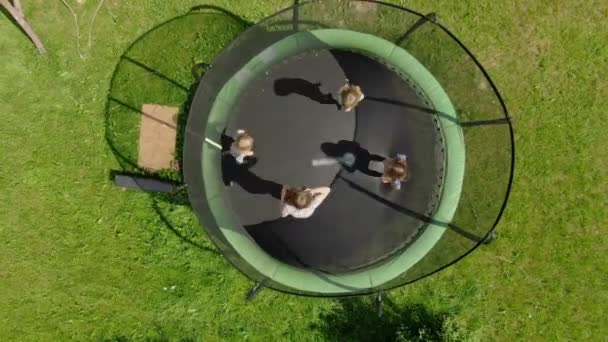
x=294 y=117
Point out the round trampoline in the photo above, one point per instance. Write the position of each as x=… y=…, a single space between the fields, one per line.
x=279 y=80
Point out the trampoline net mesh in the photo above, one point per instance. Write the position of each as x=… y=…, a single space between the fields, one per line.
x=487 y=136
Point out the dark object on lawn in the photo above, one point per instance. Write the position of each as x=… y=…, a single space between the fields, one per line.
x=426 y=97
x=143 y=184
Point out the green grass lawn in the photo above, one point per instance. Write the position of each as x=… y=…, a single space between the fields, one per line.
x=83 y=260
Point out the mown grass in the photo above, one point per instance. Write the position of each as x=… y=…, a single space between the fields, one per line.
x=82 y=260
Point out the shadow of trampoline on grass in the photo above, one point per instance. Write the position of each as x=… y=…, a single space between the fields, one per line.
x=356 y=319
x=163 y=67
x=146 y=75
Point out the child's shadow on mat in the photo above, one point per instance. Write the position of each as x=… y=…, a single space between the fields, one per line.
x=362 y=157
x=287 y=86
x=233 y=172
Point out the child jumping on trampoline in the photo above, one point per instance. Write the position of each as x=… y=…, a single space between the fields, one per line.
x=350 y=95
x=353 y=158
x=242 y=147
x=301 y=202
x=395 y=171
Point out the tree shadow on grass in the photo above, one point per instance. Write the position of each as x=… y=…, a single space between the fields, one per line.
x=164 y=66
x=356 y=319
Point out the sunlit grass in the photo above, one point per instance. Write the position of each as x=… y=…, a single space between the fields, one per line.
x=82 y=260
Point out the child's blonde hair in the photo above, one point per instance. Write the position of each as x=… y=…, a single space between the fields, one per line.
x=350 y=95
x=396 y=170
x=244 y=141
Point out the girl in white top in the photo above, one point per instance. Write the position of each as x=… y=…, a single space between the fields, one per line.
x=350 y=95
x=301 y=202
x=242 y=146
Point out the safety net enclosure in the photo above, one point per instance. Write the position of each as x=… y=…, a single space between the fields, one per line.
x=426 y=96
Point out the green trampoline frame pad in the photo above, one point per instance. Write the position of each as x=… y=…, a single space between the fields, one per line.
x=311 y=281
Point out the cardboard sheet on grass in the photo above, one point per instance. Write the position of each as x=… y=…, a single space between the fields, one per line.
x=157 y=135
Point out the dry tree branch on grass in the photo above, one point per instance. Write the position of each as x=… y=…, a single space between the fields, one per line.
x=15 y=10
x=13 y=7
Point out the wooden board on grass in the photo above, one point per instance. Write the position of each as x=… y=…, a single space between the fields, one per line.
x=157 y=135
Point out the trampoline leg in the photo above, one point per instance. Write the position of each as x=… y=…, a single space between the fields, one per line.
x=379 y=304
x=253 y=292
x=491 y=238
x=296 y=15
x=198 y=70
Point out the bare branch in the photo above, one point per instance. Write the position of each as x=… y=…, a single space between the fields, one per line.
x=15 y=12
x=17 y=4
